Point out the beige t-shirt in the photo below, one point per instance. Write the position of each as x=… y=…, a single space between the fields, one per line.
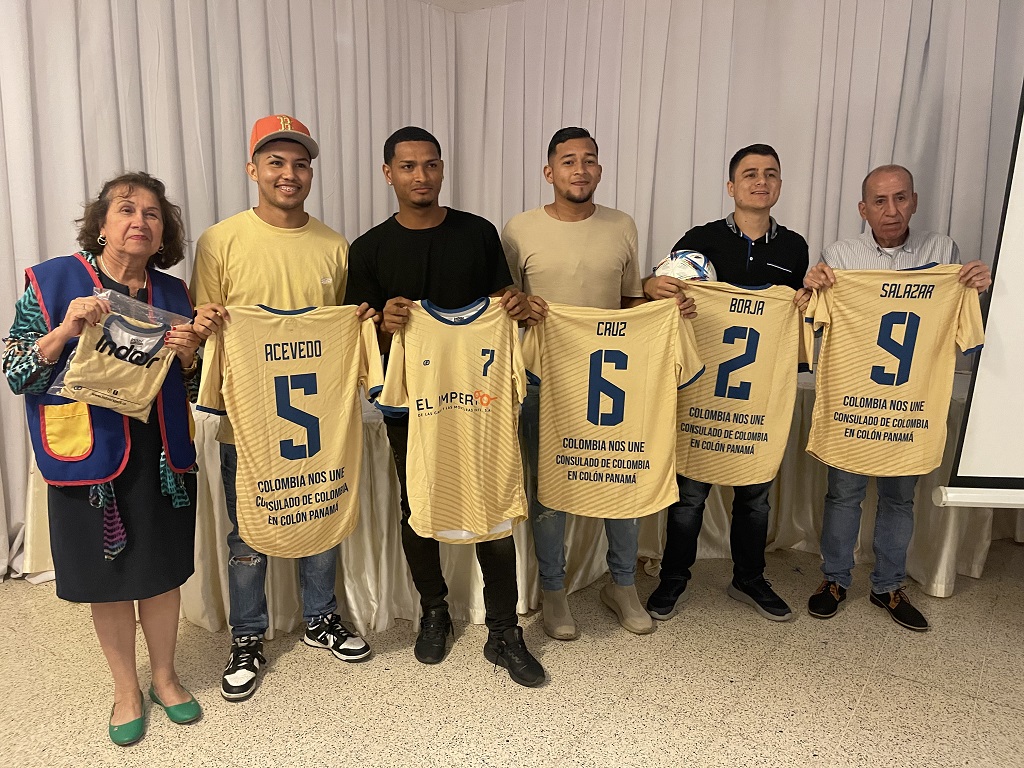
x=589 y=263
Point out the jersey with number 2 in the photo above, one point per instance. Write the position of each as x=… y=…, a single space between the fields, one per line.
x=289 y=380
x=885 y=371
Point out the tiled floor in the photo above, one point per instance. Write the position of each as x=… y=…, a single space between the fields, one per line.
x=716 y=686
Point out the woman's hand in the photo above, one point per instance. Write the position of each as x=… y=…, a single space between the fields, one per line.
x=85 y=310
x=183 y=341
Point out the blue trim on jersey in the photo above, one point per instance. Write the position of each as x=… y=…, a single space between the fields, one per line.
x=753 y=287
x=214 y=411
x=285 y=311
x=374 y=393
x=443 y=315
x=809 y=320
x=695 y=377
x=391 y=410
x=532 y=378
x=929 y=265
x=973 y=349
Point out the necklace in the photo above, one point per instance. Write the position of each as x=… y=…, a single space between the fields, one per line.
x=132 y=293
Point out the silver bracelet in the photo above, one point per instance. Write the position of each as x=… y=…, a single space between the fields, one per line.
x=40 y=357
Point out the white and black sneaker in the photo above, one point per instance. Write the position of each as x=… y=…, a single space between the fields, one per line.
x=328 y=632
x=239 y=680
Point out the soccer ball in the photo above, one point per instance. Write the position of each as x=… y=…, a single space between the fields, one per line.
x=686 y=265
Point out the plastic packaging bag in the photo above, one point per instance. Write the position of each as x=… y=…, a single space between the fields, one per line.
x=121 y=362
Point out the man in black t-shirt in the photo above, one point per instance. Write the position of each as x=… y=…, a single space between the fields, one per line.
x=450 y=258
x=749 y=248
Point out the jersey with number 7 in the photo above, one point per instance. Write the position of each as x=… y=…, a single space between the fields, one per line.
x=885 y=371
x=289 y=380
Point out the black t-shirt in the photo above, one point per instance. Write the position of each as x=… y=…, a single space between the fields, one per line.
x=452 y=264
x=778 y=258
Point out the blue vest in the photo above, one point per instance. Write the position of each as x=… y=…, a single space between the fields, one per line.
x=79 y=444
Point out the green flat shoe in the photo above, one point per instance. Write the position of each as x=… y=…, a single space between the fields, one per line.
x=187 y=712
x=126 y=734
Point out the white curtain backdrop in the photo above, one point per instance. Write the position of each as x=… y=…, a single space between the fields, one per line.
x=670 y=88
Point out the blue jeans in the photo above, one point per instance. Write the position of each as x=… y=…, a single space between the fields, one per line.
x=247 y=569
x=748 y=532
x=894 y=525
x=549 y=524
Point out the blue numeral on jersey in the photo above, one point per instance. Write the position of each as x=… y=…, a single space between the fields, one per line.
x=599 y=385
x=282 y=390
x=903 y=352
x=489 y=354
x=742 y=390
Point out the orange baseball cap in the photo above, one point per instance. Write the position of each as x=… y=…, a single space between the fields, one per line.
x=275 y=127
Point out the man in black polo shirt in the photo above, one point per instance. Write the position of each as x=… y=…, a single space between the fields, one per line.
x=451 y=258
x=746 y=248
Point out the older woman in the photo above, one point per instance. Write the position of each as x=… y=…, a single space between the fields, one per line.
x=121 y=497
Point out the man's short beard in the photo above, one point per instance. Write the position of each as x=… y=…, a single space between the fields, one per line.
x=585 y=199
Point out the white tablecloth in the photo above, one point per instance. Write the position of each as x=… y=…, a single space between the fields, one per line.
x=374 y=586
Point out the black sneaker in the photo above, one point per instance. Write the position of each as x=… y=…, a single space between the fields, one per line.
x=902 y=612
x=239 y=679
x=432 y=641
x=759 y=594
x=508 y=650
x=328 y=632
x=665 y=601
x=824 y=603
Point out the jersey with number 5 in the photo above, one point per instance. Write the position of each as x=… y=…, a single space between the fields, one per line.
x=608 y=382
x=289 y=380
x=734 y=422
x=885 y=370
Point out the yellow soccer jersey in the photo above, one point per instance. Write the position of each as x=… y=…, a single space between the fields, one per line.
x=734 y=421
x=459 y=375
x=885 y=371
x=119 y=363
x=289 y=380
x=608 y=381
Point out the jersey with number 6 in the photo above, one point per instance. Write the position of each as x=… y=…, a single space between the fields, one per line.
x=885 y=371
x=608 y=382
x=289 y=381
x=734 y=421
x=459 y=375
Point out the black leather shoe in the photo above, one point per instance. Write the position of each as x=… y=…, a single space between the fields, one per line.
x=900 y=609
x=432 y=641
x=824 y=603
x=507 y=649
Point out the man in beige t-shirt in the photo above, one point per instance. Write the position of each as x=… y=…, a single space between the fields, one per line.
x=573 y=251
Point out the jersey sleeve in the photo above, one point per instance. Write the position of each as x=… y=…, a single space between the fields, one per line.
x=818 y=314
x=970 y=333
x=533 y=342
x=805 y=355
x=394 y=397
x=518 y=363
x=688 y=363
x=371 y=373
x=210 y=399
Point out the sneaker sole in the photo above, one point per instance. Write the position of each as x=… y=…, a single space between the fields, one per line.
x=883 y=606
x=236 y=697
x=500 y=662
x=743 y=597
x=361 y=657
x=676 y=607
x=555 y=635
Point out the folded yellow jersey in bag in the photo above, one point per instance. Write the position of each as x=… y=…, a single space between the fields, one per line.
x=120 y=363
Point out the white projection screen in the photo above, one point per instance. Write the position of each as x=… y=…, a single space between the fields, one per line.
x=988 y=469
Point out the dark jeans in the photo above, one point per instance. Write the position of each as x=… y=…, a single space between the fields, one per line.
x=497 y=558
x=747 y=536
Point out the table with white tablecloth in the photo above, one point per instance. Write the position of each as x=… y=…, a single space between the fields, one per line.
x=373 y=582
